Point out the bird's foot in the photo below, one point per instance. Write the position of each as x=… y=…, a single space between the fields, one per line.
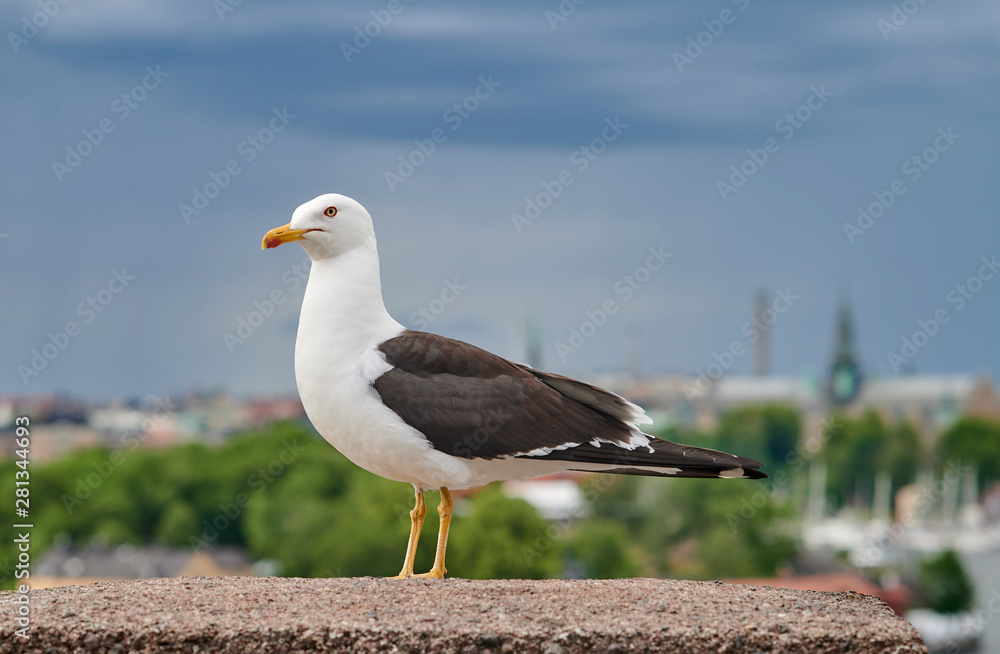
x=402 y=575
x=433 y=574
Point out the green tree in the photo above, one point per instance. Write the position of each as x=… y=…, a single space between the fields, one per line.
x=282 y=493
x=179 y=521
x=502 y=538
x=602 y=549
x=327 y=517
x=141 y=496
x=974 y=441
x=8 y=549
x=285 y=494
x=859 y=449
x=702 y=528
x=945 y=584
x=853 y=456
x=901 y=455
x=765 y=433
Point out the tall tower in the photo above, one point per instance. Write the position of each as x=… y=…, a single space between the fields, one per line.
x=761 y=351
x=845 y=378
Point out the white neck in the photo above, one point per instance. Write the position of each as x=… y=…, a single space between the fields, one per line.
x=343 y=315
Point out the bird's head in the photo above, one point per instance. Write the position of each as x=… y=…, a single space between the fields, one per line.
x=327 y=226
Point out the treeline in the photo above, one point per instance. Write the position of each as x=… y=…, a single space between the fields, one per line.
x=284 y=494
x=857 y=450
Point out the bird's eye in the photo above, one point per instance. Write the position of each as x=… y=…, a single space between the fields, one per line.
x=330 y=212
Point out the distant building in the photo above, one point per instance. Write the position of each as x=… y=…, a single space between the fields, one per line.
x=802 y=393
x=51 y=441
x=121 y=425
x=931 y=403
x=212 y=417
x=7 y=414
x=555 y=497
x=263 y=411
x=60 y=425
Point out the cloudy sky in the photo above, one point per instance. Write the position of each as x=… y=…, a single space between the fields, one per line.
x=115 y=114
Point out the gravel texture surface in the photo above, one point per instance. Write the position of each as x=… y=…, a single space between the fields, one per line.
x=247 y=614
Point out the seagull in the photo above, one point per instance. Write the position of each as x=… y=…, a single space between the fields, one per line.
x=435 y=412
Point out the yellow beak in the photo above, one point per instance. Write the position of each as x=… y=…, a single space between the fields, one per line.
x=283 y=234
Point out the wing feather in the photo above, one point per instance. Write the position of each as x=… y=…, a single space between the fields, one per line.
x=473 y=404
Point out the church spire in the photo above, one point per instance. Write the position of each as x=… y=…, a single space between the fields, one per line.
x=845 y=373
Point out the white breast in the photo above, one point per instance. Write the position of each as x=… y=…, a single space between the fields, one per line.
x=342 y=323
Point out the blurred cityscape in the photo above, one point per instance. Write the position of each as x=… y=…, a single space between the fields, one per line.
x=864 y=538
x=63 y=424
x=607 y=199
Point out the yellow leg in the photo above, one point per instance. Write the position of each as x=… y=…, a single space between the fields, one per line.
x=444 y=510
x=416 y=523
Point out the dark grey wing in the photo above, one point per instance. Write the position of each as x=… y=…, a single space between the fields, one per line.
x=596 y=398
x=473 y=404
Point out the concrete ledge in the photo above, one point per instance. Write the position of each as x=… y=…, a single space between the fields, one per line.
x=246 y=614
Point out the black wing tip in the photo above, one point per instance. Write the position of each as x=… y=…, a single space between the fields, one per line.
x=678 y=473
x=750 y=468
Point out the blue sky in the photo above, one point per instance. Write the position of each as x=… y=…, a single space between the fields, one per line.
x=550 y=90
